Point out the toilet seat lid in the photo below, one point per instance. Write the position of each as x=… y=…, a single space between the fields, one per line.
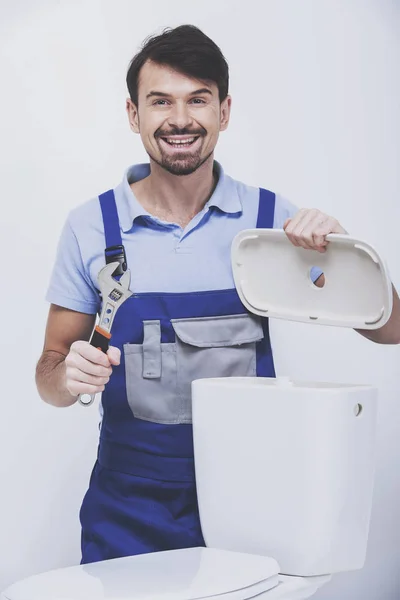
x=188 y=574
x=274 y=278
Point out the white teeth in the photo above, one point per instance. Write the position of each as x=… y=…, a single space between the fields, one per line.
x=175 y=142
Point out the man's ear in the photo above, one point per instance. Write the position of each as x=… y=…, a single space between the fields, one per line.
x=225 y=113
x=133 y=115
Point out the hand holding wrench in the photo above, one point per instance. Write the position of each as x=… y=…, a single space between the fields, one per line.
x=114 y=293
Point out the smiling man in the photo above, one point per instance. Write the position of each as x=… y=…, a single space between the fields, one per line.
x=171 y=222
x=167 y=145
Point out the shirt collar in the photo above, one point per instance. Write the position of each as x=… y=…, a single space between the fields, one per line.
x=225 y=196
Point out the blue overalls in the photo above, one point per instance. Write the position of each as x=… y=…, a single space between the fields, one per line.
x=142 y=491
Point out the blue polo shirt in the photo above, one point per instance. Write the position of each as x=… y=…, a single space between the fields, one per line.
x=162 y=256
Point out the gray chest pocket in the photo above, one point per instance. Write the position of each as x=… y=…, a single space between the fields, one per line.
x=159 y=376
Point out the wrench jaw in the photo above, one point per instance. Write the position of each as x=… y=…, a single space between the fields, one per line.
x=106 y=274
x=125 y=279
x=112 y=288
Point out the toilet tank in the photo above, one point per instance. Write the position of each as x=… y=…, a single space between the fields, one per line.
x=285 y=469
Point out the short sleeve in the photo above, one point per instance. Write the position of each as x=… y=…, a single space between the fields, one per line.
x=70 y=285
x=284 y=209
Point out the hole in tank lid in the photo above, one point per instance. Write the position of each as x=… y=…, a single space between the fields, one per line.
x=317 y=277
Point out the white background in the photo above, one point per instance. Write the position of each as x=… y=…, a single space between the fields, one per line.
x=315 y=116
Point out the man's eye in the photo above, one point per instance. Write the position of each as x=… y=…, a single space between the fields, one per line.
x=160 y=102
x=198 y=101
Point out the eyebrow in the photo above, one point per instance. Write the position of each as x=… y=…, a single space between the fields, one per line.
x=165 y=95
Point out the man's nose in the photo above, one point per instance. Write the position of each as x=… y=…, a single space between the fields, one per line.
x=180 y=116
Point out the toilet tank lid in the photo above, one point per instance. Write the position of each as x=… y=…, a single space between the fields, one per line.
x=274 y=278
x=188 y=574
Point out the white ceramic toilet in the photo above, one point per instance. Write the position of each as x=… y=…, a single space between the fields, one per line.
x=284 y=469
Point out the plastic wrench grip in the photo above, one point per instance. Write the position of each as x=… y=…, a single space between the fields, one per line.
x=100 y=339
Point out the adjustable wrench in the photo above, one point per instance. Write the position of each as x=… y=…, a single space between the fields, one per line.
x=114 y=293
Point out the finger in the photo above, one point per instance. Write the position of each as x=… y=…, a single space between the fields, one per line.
x=75 y=375
x=335 y=226
x=320 y=242
x=76 y=388
x=114 y=355
x=75 y=360
x=294 y=225
x=286 y=223
x=309 y=228
x=300 y=230
x=90 y=353
x=315 y=231
x=329 y=225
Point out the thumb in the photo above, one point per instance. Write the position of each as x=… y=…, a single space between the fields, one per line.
x=114 y=355
x=286 y=223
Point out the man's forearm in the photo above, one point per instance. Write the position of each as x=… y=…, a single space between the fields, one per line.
x=390 y=332
x=50 y=380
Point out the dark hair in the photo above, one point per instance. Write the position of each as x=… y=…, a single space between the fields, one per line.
x=187 y=50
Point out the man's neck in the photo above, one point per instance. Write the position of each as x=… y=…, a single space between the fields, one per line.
x=174 y=198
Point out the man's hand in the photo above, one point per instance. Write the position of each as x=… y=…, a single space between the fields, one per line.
x=89 y=369
x=309 y=227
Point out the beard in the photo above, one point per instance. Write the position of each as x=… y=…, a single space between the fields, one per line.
x=180 y=163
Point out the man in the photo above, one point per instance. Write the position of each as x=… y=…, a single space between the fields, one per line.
x=175 y=219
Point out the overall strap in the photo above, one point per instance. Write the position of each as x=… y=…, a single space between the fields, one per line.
x=265 y=220
x=114 y=251
x=266 y=210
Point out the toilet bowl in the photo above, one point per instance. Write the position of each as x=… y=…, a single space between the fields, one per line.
x=189 y=574
x=284 y=469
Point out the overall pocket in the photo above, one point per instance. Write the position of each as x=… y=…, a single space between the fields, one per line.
x=159 y=376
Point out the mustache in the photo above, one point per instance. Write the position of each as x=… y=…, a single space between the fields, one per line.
x=176 y=131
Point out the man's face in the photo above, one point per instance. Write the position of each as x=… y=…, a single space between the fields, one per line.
x=178 y=118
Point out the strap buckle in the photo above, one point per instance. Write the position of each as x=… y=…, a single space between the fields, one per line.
x=116 y=254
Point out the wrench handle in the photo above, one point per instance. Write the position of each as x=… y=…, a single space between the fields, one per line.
x=100 y=339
